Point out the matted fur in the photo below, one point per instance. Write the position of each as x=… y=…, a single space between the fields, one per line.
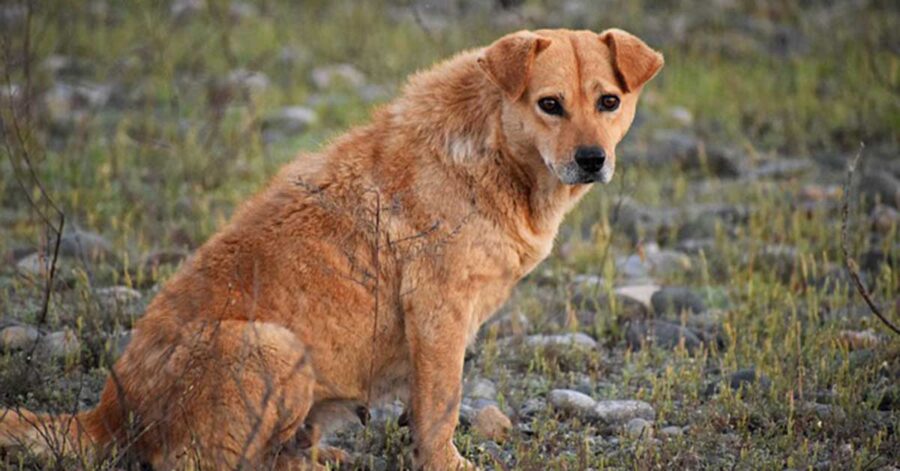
x=361 y=272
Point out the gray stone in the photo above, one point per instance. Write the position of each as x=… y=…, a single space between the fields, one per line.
x=59 y=345
x=641 y=294
x=561 y=340
x=326 y=76
x=674 y=300
x=572 y=402
x=618 y=412
x=880 y=186
x=662 y=334
x=480 y=388
x=467 y=414
x=510 y=324
x=884 y=219
x=17 y=337
x=118 y=299
x=251 y=81
x=532 y=407
x=743 y=379
x=288 y=121
x=85 y=245
x=782 y=169
x=638 y=428
x=671 y=431
x=182 y=9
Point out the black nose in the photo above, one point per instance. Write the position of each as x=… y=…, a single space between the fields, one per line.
x=590 y=159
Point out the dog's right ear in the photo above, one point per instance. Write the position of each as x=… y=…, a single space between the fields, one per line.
x=508 y=61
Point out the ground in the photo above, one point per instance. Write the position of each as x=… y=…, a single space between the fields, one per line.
x=707 y=281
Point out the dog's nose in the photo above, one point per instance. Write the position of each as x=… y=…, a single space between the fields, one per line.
x=590 y=159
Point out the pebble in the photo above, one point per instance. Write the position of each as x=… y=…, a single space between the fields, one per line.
x=674 y=300
x=661 y=334
x=641 y=294
x=492 y=424
x=117 y=299
x=572 y=402
x=577 y=339
x=638 y=428
x=615 y=412
x=671 y=431
x=325 y=76
x=480 y=388
x=17 y=337
x=288 y=121
x=59 y=345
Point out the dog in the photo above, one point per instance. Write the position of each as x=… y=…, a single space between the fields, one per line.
x=361 y=273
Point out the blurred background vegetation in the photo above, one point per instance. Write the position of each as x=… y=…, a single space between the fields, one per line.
x=147 y=122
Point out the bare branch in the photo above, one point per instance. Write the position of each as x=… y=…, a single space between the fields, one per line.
x=849 y=262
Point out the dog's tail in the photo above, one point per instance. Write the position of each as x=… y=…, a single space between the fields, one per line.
x=48 y=435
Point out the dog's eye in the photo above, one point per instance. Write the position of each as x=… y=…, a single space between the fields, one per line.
x=550 y=106
x=608 y=103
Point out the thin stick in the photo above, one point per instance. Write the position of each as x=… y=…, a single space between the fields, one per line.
x=850 y=263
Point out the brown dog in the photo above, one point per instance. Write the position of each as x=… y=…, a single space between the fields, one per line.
x=362 y=272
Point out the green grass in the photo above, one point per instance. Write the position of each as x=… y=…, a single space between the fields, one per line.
x=165 y=162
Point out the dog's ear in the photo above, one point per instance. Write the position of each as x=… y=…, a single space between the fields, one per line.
x=508 y=61
x=635 y=62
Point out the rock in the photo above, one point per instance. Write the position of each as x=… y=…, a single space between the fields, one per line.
x=480 y=388
x=562 y=340
x=572 y=402
x=66 y=104
x=662 y=334
x=656 y=261
x=781 y=169
x=618 y=412
x=693 y=154
x=37 y=267
x=467 y=414
x=387 y=412
x=59 y=345
x=288 y=121
x=511 y=324
x=884 y=219
x=680 y=115
x=641 y=294
x=674 y=300
x=880 y=187
x=856 y=340
x=182 y=9
x=532 y=407
x=85 y=245
x=118 y=343
x=326 y=76
x=638 y=428
x=242 y=10
x=17 y=337
x=117 y=299
x=491 y=424
x=671 y=431
x=824 y=412
x=250 y=81
x=744 y=378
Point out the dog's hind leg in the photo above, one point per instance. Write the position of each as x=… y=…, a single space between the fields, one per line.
x=245 y=389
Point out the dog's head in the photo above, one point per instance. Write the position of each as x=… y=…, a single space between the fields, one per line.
x=570 y=95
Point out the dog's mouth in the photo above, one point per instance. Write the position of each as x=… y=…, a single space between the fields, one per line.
x=572 y=174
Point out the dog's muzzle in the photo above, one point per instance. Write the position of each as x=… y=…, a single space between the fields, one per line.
x=589 y=166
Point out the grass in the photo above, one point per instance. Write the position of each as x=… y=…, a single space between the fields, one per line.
x=163 y=163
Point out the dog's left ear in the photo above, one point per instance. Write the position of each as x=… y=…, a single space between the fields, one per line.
x=508 y=61
x=635 y=62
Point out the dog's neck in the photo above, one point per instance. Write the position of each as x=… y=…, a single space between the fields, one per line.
x=457 y=112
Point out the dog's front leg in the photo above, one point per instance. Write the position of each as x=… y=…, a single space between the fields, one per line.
x=436 y=329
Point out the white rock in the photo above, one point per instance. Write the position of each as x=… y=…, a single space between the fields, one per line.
x=621 y=411
x=324 y=76
x=578 y=339
x=572 y=402
x=639 y=293
x=17 y=337
x=480 y=388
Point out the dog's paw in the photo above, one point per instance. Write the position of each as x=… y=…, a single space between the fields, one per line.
x=447 y=459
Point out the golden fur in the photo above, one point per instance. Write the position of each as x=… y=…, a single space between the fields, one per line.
x=361 y=272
